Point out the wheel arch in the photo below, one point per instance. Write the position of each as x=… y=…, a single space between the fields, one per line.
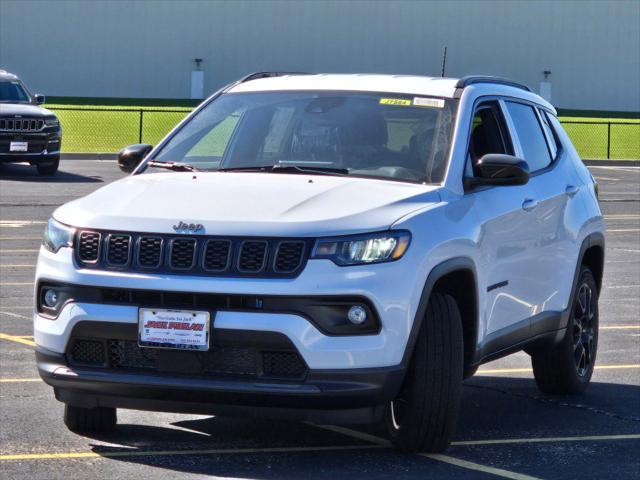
x=456 y=277
x=592 y=256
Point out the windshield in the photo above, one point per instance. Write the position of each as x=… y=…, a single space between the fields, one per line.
x=13 y=92
x=393 y=136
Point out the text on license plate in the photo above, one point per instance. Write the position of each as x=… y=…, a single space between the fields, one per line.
x=18 y=146
x=177 y=329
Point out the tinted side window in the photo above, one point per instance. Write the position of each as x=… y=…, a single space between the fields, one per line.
x=532 y=140
x=551 y=136
x=488 y=133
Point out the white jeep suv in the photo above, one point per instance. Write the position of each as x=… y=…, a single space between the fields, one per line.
x=334 y=248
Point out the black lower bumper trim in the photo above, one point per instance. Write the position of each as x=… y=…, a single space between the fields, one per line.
x=355 y=395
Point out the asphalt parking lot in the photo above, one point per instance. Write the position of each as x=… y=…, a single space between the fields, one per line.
x=507 y=428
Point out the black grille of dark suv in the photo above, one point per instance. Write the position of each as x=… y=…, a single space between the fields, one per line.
x=199 y=255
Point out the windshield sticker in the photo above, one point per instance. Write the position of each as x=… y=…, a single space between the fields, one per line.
x=428 y=102
x=395 y=101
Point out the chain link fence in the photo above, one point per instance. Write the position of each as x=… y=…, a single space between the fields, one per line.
x=106 y=130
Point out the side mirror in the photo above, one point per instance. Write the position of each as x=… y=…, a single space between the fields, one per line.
x=39 y=99
x=498 y=169
x=130 y=157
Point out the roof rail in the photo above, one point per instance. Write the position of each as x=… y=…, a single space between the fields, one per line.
x=473 y=79
x=258 y=75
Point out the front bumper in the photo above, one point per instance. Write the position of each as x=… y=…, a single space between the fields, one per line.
x=349 y=396
x=43 y=146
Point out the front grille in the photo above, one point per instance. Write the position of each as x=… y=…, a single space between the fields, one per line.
x=118 y=247
x=183 y=253
x=216 y=255
x=220 y=361
x=21 y=124
x=202 y=255
x=89 y=247
x=289 y=256
x=283 y=365
x=252 y=256
x=150 y=252
x=90 y=352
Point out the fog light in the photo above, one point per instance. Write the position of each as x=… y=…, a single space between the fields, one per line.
x=357 y=315
x=50 y=298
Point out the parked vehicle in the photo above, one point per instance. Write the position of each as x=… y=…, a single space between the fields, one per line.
x=335 y=248
x=28 y=132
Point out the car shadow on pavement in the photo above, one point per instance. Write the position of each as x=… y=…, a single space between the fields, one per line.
x=493 y=408
x=23 y=172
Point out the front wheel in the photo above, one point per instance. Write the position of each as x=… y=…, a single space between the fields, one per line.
x=568 y=367
x=90 y=420
x=423 y=415
x=48 y=168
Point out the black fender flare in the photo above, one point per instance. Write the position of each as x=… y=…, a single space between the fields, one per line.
x=436 y=273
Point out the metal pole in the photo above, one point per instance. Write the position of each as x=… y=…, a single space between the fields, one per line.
x=444 y=61
x=140 y=133
x=608 y=140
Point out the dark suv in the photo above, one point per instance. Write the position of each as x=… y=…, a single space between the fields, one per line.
x=28 y=132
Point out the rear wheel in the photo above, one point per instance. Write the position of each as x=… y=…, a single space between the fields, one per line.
x=424 y=414
x=568 y=367
x=48 y=168
x=90 y=420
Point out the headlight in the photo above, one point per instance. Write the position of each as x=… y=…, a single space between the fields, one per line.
x=57 y=235
x=51 y=122
x=363 y=249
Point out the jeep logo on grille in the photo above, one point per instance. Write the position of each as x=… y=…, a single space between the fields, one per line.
x=183 y=227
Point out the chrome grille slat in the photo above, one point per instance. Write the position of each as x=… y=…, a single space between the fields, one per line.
x=192 y=255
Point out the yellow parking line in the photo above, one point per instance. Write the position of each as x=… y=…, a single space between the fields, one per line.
x=14 y=284
x=16 y=339
x=20 y=250
x=154 y=453
x=508 y=441
x=529 y=370
x=21 y=238
x=19 y=380
x=620 y=230
x=620 y=327
x=433 y=456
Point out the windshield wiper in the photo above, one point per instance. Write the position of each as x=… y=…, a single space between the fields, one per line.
x=175 y=166
x=288 y=169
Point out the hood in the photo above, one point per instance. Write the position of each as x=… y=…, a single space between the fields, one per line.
x=251 y=204
x=24 y=109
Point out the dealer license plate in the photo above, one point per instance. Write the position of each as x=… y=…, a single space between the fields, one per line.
x=174 y=329
x=18 y=146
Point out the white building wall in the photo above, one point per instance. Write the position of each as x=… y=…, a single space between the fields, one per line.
x=146 y=48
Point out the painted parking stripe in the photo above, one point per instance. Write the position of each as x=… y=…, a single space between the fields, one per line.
x=499 y=472
x=15 y=284
x=23 y=265
x=156 y=453
x=620 y=327
x=20 y=250
x=623 y=230
x=432 y=456
x=511 y=441
x=529 y=370
x=21 y=238
x=15 y=315
x=16 y=339
x=19 y=380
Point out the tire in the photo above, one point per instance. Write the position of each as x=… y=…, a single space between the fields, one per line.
x=90 y=420
x=423 y=416
x=567 y=368
x=48 y=168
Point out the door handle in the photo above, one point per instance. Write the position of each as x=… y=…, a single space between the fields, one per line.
x=571 y=190
x=529 y=204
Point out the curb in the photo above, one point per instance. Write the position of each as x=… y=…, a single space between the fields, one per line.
x=88 y=156
x=612 y=163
